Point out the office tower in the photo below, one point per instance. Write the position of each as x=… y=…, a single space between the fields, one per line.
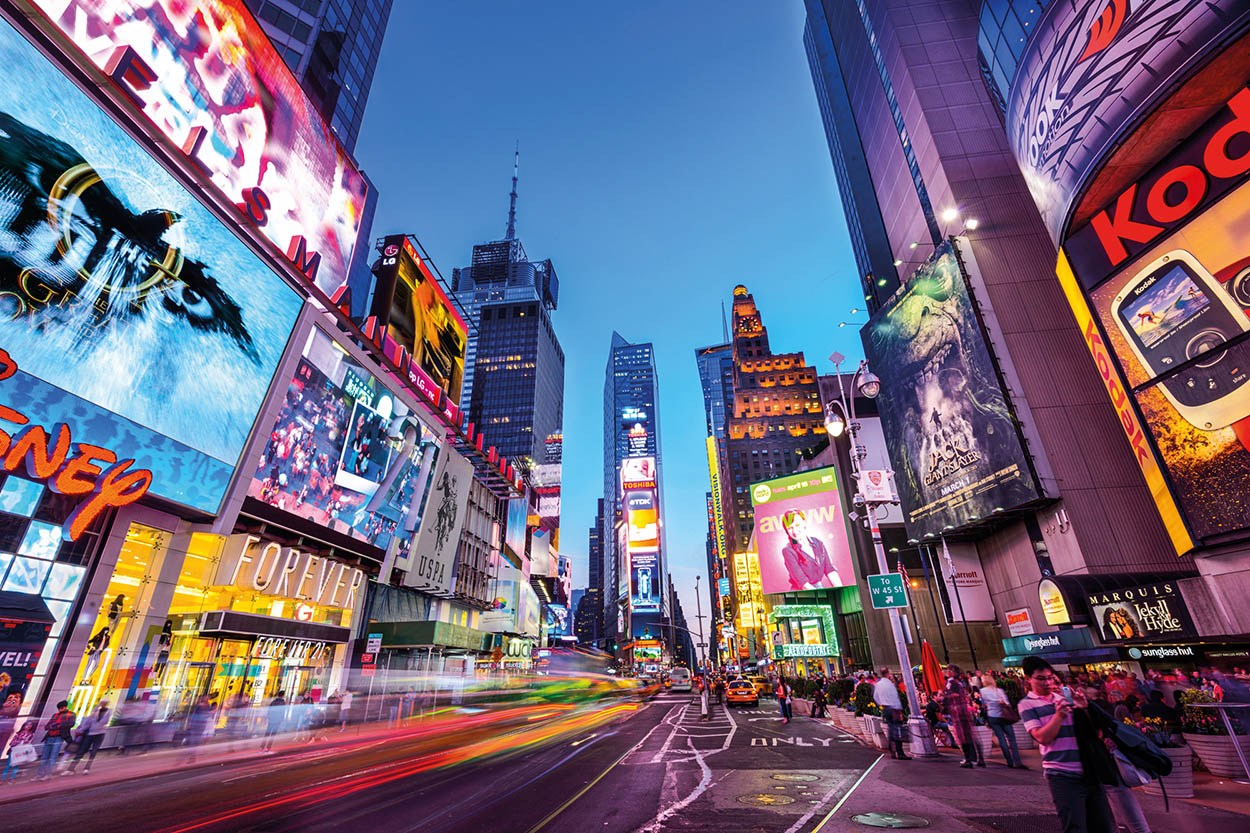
x=589 y=616
x=632 y=490
x=332 y=46
x=921 y=157
x=716 y=367
x=514 y=365
x=775 y=417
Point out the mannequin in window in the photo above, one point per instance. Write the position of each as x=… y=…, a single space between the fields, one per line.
x=115 y=612
x=162 y=649
x=94 y=648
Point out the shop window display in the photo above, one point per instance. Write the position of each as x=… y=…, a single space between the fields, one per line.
x=147 y=651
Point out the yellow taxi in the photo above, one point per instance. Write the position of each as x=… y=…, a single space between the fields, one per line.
x=741 y=693
x=762 y=685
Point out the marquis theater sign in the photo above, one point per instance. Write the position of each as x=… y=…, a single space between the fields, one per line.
x=206 y=77
x=1147 y=611
x=50 y=454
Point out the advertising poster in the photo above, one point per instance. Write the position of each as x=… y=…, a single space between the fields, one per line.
x=718 y=504
x=216 y=87
x=514 y=534
x=21 y=644
x=638 y=473
x=1174 y=317
x=960 y=566
x=953 y=440
x=529 y=614
x=1150 y=611
x=1019 y=622
x=800 y=532
x=419 y=316
x=347 y=461
x=557 y=621
x=136 y=318
x=1088 y=70
x=645 y=582
x=501 y=617
x=642 y=520
x=445 y=509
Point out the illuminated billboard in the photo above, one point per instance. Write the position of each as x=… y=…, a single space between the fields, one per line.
x=642 y=518
x=638 y=473
x=800 y=532
x=418 y=316
x=718 y=510
x=1159 y=281
x=207 y=79
x=1088 y=71
x=344 y=452
x=645 y=582
x=953 y=439
x=136 y=319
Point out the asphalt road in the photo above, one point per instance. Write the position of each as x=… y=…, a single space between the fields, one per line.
x=616 y=770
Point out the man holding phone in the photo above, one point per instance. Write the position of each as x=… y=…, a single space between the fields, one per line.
x=1047 y=713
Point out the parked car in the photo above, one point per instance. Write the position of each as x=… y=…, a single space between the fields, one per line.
x=741 y=693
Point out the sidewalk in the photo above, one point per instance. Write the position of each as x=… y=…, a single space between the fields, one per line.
x=996 y=798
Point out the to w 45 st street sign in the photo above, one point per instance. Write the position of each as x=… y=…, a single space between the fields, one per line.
x=887 y=590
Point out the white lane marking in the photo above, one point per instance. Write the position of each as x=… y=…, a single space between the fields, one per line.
x=837 y=806
x=705 y=779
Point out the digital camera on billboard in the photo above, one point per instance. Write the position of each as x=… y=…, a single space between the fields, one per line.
x=1173 y=312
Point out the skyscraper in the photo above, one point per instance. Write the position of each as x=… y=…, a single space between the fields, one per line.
x=514 y=365
x=775 y=416
x=716 y=376
x=632 y=491
x=332 y=46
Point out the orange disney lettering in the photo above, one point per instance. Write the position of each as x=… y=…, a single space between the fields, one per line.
x=44 y=453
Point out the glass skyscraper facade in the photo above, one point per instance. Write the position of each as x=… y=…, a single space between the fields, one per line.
x=631 y=428
x=332 y=46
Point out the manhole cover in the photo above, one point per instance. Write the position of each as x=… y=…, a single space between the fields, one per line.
x=795 y=776
x=764 y=799
x=892 y=820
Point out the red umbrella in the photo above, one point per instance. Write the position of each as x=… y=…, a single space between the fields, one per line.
x=931 y=669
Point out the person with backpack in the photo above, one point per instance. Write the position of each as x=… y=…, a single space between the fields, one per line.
x=1057 y=716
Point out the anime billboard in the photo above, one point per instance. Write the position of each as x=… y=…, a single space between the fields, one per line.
x=800 y=533
x=137 y=319
x=953 y=439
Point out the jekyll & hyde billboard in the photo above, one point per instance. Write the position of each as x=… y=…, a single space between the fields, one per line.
x=206 y=77
x=800 y=533
x=137 y=319
x=953 y=438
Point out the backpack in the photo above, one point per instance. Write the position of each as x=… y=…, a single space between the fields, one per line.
x=1132 y=742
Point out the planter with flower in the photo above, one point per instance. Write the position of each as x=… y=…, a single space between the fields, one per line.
x=1207 y=736
x=1179 y=783
x=983 y=736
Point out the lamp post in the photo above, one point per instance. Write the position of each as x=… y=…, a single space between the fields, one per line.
x=698 y=606
x=867 y=383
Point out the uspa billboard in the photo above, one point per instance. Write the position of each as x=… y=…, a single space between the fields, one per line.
x=800 y=532
x=1159 y=281
x=418 y=316
x=441 y=524
x=345 y=451
x=137 y=319
x=207 y=78
x=953 y=439
x=1088 y=71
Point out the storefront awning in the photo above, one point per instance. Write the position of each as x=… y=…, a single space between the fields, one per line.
x=24 y=607
x=231 y=624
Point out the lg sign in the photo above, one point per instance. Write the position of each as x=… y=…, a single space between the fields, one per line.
x=1198 y=173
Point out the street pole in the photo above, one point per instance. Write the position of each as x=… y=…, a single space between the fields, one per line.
x=950 y=565
x=930 y=574
x=922 y=743
x=698 y=606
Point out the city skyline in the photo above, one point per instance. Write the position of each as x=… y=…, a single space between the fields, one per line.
x=613 y=209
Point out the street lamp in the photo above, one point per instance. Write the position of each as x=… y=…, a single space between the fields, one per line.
x=869 y=385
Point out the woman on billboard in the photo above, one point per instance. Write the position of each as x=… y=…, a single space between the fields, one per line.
x=806 y=558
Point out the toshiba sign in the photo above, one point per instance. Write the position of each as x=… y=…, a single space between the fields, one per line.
x=1194 y=176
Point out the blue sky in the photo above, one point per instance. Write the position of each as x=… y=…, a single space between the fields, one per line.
x=668 y=152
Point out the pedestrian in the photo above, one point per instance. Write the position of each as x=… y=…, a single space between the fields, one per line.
x=885 y=692
x=704 y=694
x=784 y=693
x=1074 y=772
x=91 y=736
x=818 y=700
x=1000 y=714
x=21 y=751
x=199 y=725
x=275 y=719
x=958 y=704
x=718 y=686
x=345 y=710
x=56 y=735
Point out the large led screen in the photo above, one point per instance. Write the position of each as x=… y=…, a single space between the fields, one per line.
x=1176 y=321
x=642 y=520
x=344 y=451
x=953 y=439
x=136 y=318
x=1088 y=70
x=206 y=76
x=800 y=533
x=645 y=581
x=419 y=316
